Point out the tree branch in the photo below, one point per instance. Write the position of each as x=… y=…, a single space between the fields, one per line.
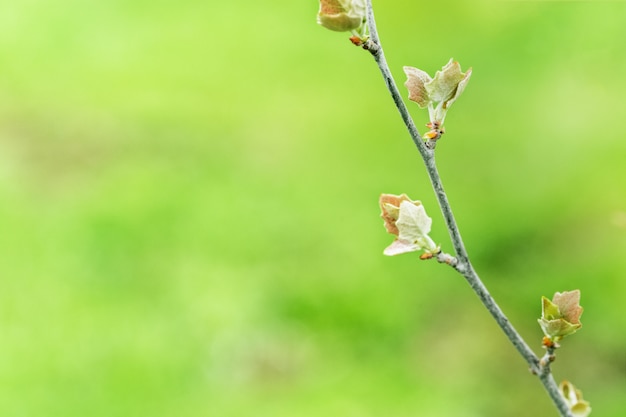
x=462 y=263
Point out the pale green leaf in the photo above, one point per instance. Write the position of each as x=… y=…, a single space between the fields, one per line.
x=460 y=88
x=549 y=310
x=444 y=85
x=410 y=223
x=341 y=15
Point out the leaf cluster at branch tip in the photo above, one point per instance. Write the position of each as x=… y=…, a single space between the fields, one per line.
x=561 y=316
x=342 y=15
x=436 y=93
x=408 y=220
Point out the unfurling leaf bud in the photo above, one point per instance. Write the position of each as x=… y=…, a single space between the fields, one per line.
x=436 y=93
x=408 y=220
x=341 y=15
x=574 y=399
x=561 y=316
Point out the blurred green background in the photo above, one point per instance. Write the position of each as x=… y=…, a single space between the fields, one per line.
x=189 y=222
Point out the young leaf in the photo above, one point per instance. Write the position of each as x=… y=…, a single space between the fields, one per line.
x=444 y=85
x=574 y=399
x=437 y=94
x=407 y=220
x=459 y=89
x=390 y=210
x=569 y=305
x=341 y=15
x=416 y=78
x=561 y=316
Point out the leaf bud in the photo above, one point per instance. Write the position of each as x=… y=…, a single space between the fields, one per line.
x=408 y=220
x=341 y=15
x=436 y=93
x=574 y=399
x=561 y=316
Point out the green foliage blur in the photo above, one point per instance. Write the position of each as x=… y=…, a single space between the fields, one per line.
x=189 y=223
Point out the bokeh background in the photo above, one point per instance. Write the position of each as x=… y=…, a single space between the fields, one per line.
x=189 y=222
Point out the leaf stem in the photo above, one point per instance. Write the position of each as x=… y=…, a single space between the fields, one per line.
x=462 y=263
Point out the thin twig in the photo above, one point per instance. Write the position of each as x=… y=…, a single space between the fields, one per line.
x=461 y=263
x=428 y=155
